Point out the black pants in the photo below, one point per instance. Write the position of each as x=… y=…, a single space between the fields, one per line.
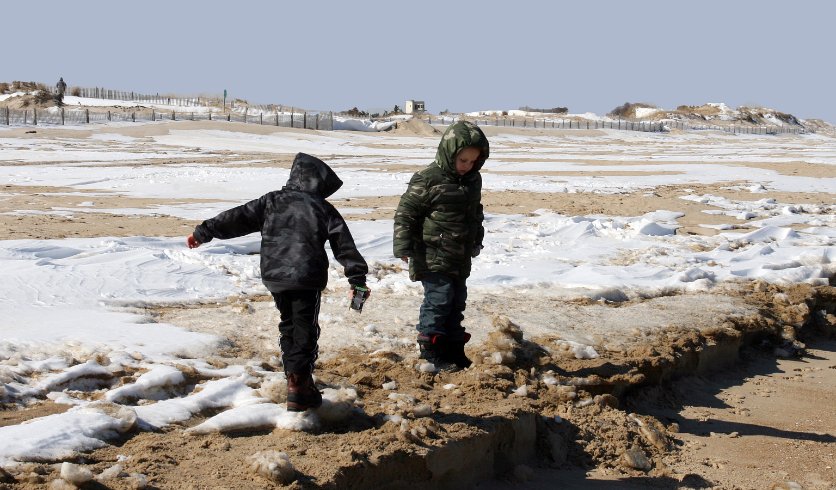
x=299 y=329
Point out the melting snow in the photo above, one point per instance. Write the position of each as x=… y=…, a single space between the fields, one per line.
x=75 y=298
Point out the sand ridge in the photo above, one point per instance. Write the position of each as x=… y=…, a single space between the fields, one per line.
x=599 y=417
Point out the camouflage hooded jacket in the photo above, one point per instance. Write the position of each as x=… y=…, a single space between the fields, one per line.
x=438 y=223
x=295 y=223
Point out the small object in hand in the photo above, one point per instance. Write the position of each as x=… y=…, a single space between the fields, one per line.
x=359 y=297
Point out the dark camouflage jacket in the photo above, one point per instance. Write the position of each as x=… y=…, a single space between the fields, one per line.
x=438 y=223
x=295 y=223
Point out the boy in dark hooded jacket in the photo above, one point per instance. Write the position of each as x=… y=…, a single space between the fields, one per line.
x=438 y=229
x=295 y=222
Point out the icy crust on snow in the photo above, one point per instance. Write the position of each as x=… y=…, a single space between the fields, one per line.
x=767 y=212
x=65 y=292
x=62 y=436
x=257 y=416
x=91 y=424
x=149 y=385
x=337 y=404
x=61 y=380
x=353 y=124
x=77 y=293
x=227 y=392
x=640 y=256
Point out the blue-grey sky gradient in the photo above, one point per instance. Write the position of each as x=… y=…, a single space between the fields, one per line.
x=460 y=55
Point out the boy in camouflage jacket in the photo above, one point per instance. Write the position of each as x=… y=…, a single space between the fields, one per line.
x=438 y=229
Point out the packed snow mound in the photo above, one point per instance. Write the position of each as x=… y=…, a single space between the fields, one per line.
x=24 y=101
x=633 y=110
x=642 y=112
x=273 y=465
x=5 y=97
x=61 y=436
x=351 y=124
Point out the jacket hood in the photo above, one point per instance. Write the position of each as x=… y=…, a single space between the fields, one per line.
x=455 y=138
x=310 y=174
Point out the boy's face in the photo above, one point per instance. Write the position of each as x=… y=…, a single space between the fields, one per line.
x=466 y=158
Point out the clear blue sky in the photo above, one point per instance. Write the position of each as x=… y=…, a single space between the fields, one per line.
x=457 y=55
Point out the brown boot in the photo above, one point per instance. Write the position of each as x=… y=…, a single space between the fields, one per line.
x=302 y=393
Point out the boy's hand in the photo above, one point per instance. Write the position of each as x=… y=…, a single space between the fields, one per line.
x=357 y=297
x=351 y=292
x=405 y=259
x=192 y=242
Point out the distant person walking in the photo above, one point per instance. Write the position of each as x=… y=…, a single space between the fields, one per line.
x=61 y=87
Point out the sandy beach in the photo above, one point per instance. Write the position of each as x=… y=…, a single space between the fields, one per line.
x=695 y=383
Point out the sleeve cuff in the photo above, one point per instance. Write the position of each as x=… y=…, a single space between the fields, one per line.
x=201 y=236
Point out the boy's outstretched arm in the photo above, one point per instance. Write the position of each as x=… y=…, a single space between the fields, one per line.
x=235 y=222
x=345 y=251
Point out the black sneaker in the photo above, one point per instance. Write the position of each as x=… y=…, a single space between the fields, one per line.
x=455 y=354
x=433 y=348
